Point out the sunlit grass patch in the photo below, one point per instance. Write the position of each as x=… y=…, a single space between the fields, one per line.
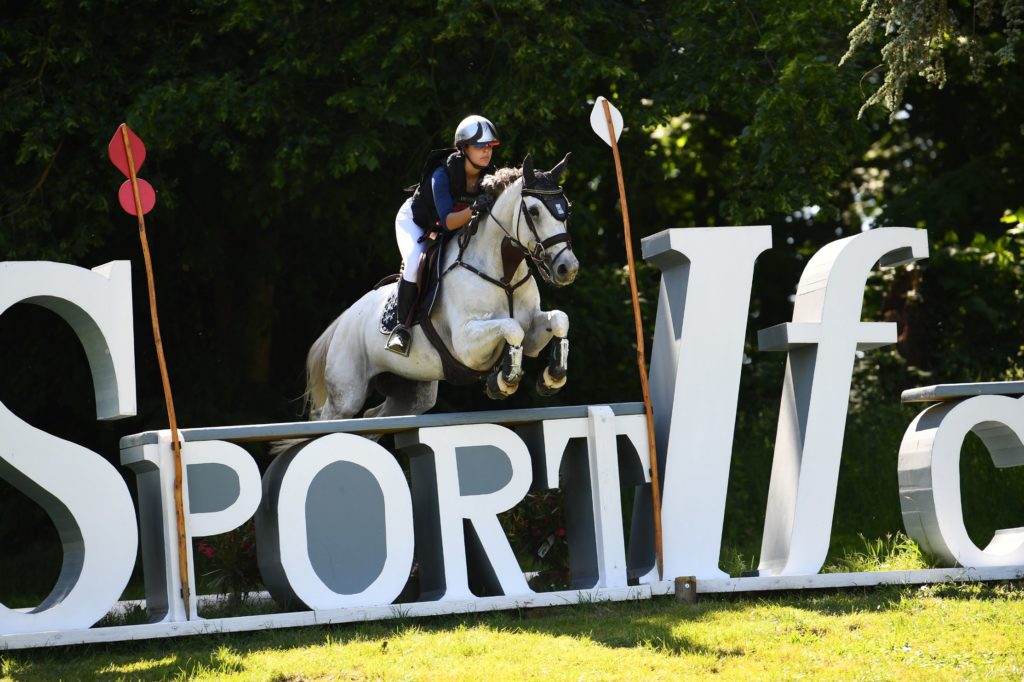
x=949 y=631
x=894 y=552
x=138 y=666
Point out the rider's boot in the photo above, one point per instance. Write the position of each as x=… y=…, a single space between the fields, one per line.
x=400 y=340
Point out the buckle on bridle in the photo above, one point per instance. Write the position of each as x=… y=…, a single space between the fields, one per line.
x=537 y=255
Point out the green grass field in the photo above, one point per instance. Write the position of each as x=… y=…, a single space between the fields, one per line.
x=934 y=632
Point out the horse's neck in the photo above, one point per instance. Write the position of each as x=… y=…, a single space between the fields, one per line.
x=484 y=249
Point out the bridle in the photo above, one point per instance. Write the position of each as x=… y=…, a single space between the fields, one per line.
x=558 y=206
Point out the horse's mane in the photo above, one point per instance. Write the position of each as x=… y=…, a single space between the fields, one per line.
x=503 y=177
x=500 y=180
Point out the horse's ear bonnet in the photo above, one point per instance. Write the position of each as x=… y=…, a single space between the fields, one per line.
x=559 y=170
x=528 y=177
x=544 y=186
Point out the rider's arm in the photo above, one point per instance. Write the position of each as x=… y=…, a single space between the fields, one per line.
x=441 y=190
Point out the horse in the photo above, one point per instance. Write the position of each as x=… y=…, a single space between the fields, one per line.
x=488 y=317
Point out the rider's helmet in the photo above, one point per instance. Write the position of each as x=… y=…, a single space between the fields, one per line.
x=475 y=130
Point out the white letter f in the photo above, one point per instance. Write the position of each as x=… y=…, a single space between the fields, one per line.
x=822 y=341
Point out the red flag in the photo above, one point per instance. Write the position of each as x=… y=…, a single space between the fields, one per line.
x=147 y=196
x=120 y=159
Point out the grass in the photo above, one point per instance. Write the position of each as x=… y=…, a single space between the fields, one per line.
x=894 y=552
x=934 y=632
x=847 y=554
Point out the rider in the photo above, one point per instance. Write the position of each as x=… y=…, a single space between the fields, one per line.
x=447 y=197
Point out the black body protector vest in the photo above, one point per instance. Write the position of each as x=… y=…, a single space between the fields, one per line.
x=423 y=210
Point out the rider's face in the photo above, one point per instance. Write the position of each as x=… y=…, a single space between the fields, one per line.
x=481 y=156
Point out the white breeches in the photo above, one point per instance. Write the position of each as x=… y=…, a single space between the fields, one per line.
x=408 y=234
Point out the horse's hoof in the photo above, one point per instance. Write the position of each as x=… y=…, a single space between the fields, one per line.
x=543 y=389
x=547 y=385
x=499 y=389
x=492 y=390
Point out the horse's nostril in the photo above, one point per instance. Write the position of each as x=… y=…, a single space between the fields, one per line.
x=563 y=270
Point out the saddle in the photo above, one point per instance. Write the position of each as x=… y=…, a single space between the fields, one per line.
x=430 y=278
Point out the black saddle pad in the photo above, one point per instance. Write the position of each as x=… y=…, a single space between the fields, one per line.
x=389 y=318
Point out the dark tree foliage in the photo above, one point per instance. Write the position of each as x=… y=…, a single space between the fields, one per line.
x=948 y=162
x=280 y=139
x=281 y=136
x=920 y=33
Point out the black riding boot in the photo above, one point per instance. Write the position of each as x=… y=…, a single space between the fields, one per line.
x=400 y=340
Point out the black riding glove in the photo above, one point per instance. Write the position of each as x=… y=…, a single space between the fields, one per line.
x=483 y=204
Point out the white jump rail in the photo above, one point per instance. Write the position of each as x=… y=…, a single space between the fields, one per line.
x=944 y=392
x=825 y=581
x=313 y=429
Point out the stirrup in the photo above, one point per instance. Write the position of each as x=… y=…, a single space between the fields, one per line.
x=400 y=340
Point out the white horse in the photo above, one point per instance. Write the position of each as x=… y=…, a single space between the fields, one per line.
x=487 y=316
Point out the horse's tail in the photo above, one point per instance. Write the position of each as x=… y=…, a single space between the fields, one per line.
x=315 y=396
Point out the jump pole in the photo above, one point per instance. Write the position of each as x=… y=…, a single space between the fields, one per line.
x=612 y=140
x=140 y=210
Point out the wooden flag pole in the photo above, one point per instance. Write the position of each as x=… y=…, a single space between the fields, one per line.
x=640 y=359
x=164 y=378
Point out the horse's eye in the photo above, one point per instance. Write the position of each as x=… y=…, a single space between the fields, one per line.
x=534 y=211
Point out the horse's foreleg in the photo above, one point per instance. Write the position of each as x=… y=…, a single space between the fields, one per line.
x=504 y=380
x=475 y=343
x=544 y=325
x=552 y=327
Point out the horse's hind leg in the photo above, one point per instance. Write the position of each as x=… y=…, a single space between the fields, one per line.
x=345 y=397
x=403 y=396
x=342 y=406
